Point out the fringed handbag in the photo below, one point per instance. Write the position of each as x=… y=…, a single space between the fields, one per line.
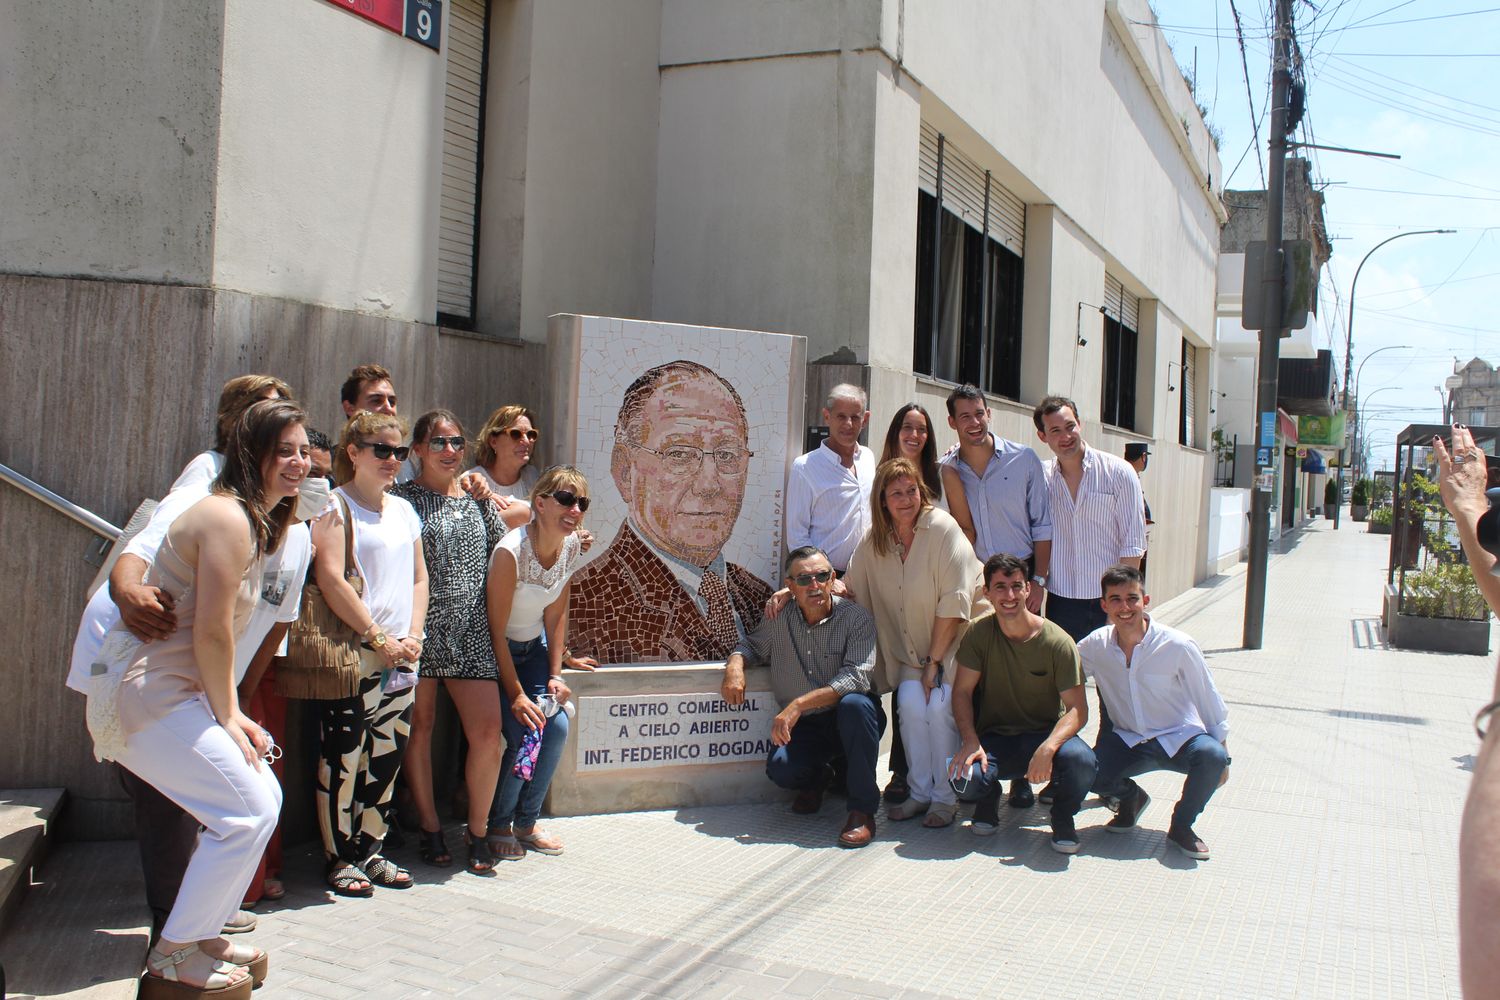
x=322 y=652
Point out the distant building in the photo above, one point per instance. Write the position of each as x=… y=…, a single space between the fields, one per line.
x=1473 y=394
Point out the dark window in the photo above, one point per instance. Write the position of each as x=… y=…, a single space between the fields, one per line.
x=1120 y=343
x=977 y=285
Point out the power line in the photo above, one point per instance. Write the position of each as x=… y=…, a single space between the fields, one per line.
x=1419 y=194
x=1417 y=20
x=1249 y=95
x=1407 y=83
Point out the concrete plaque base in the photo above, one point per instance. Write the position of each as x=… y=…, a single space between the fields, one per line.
x=660 y=737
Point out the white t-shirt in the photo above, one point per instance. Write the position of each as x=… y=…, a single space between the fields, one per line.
x=385 y=555
x=282 y=574
x=520 y=489
x=536 y=587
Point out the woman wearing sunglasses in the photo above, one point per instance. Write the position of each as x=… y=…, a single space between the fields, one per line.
x=527 y=596
x=458 y=533
x=503 y=455
x=364 y=736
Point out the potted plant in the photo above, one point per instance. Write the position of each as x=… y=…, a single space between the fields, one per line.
x=1440 y=609
x=1380 y=521
x=1359 y=500
x=1330 y=497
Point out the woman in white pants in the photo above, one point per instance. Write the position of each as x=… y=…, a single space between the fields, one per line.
x=918 y=575
x=184 y=731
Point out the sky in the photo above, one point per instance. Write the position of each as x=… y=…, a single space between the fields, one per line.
x=1420 y=79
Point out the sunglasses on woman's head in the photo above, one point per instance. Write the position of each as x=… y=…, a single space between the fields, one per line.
x=567 y=498
x=517 y=434
x=385 y=451
x=456 y=441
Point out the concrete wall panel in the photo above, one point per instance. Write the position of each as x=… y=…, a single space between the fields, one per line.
x=695 y=31
x=109 y=138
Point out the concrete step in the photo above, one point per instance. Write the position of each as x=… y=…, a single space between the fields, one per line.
x=28 y=822
x=83 y=931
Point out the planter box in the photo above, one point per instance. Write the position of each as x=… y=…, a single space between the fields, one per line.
x=1437 y=635
x=1359 y=511
x=1376 y=528
x=1328 y=509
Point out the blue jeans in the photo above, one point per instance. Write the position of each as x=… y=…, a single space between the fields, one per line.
x=1201 y=758
x=1078 y=616
x=518 y=803
x=850 y=729
x=1073 y=769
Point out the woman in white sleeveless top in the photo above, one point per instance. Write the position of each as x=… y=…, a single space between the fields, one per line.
x=527 y=596
x=179 y=713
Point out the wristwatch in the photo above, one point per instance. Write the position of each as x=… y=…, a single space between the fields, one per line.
x=378 y=640
x=1039 y=580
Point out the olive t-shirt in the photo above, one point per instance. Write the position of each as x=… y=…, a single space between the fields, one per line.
x=1020 y=683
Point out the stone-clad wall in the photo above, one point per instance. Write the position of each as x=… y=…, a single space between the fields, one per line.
x=106 y=390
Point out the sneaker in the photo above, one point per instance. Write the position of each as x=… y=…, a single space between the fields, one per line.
x=1064 y=836
x=1129 y=812
x=986 y=815
x=1020 y=795
x=1188 y=843
x=1045 y=795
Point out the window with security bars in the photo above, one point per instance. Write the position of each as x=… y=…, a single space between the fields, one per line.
x=967 y=326
x=463 y=160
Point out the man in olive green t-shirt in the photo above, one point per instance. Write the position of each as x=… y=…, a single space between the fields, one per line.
x=1030 y=708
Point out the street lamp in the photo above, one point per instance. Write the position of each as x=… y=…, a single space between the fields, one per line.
x=1349 y=336
x=1359 y=405
x=1360 y=423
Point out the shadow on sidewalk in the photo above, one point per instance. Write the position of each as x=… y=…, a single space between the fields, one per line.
x=771 y=823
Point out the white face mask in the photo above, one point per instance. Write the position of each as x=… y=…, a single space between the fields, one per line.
x=312 y=497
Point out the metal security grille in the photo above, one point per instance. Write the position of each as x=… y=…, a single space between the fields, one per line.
x=463 y=130
x=1120 y=303
x=964 y=192
x=1189 y=412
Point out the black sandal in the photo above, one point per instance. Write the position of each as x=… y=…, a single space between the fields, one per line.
x=386 y=873
x=434 y=850
x=481 y=859
x=342 y=876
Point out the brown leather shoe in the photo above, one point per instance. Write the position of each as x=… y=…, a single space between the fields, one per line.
x=810 y=799
x=859 y=830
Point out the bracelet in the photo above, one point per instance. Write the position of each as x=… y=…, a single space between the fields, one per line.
x=1483 y=714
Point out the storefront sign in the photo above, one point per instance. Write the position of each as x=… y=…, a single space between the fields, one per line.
x=1263 y=456
x=419 y=20
x=1327 y=432
x=672 y=730
x=1267 y=429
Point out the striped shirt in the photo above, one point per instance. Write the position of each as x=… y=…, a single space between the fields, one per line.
x=1103 y=525
x=837 y=652
x=828 y=504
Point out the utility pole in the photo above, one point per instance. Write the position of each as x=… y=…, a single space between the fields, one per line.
x=1274 y=291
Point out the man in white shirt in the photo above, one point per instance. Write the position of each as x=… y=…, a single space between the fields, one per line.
x=828 y=491
x=1097 y=517
x=1166 y=711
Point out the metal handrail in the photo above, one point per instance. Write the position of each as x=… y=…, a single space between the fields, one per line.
x=62 y=505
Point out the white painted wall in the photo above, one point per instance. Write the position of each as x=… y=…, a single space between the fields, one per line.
x=108 y=138
x=330 y=160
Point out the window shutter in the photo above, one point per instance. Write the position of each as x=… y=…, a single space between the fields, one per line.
x=462 y=136
x=963 y=192
x=1189 y=395
x=1121 y=304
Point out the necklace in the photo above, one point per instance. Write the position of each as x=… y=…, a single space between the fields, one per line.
x=377 y=507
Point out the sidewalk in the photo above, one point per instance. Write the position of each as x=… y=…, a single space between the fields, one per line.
x=1333 y=872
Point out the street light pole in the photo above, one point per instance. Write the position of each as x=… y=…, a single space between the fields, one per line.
x=1349 y=343
x=1359 y=405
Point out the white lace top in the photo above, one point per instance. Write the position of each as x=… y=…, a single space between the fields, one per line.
x=536 y=586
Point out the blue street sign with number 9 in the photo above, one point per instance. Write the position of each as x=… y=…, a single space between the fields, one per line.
x=424 y=22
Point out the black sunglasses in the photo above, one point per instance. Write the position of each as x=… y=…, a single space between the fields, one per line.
x=385 y=451
x=517 y=434
x=442 y=443
x=568 y=498
x=806 y=579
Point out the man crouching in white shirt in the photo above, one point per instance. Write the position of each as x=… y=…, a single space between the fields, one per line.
x=1167 y=713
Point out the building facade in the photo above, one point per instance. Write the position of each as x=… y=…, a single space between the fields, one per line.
x=1023 y=196
x=1473 y=394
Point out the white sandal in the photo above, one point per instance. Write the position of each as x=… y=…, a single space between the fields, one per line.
x=907 y=810
x=161 y=982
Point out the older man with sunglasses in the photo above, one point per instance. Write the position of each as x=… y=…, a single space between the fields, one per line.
x=822 y=662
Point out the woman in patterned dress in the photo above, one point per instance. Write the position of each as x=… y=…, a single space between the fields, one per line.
x=528 y=611
x=458 y=533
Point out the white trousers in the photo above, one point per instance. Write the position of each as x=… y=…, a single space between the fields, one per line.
x=930 y=736
x=188 y=757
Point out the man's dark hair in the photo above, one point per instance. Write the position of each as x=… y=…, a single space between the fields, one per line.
x=1120 y=575
x=1052 y=404
x=1005 y=565
x=966 y=391
x=318 y=440
x=359 y=376
x=800 y=553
